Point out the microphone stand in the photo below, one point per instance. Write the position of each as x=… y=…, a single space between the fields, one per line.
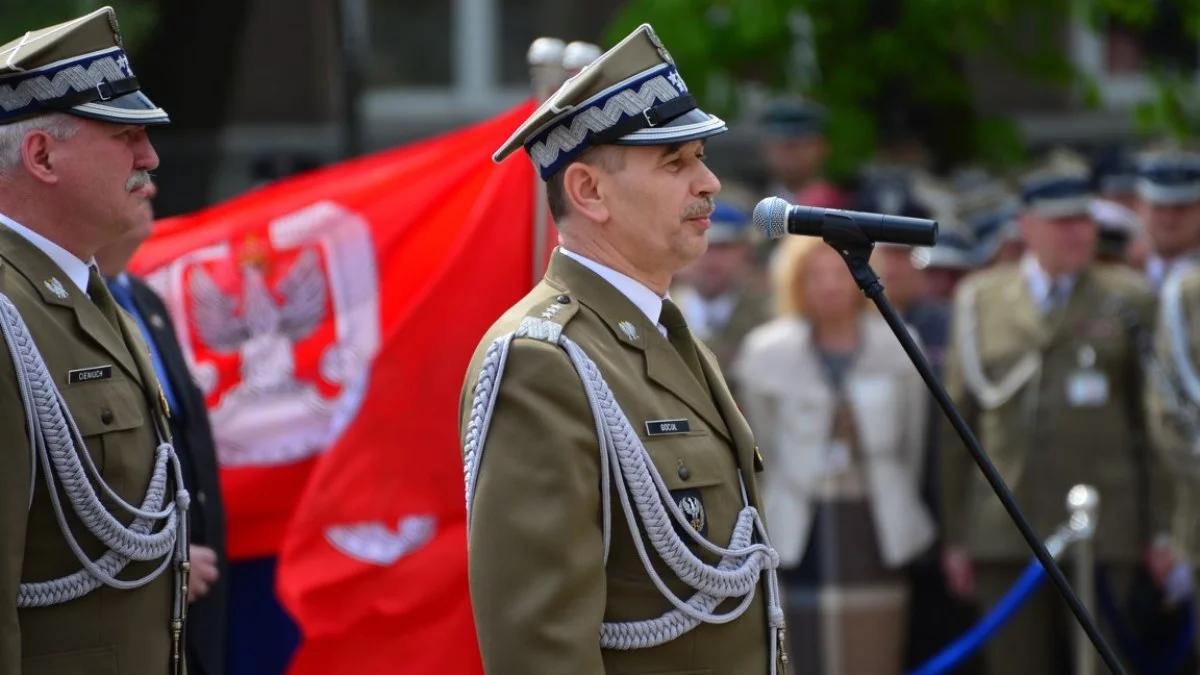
x=855 y=248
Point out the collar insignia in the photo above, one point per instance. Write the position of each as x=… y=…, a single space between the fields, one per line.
x=56 y=287
x=628 y=329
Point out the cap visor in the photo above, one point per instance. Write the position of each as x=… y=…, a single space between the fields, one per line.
x=1063 y=207
x=1168 y=195
x=689 y=126
x=132 y=108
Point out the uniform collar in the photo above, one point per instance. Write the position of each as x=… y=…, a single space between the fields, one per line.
x=1040 y=282
x=646 y=300
x=1159 y=268
x=75 y=269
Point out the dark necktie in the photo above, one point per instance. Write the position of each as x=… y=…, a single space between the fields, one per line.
x=97 y=290
x=681 y=338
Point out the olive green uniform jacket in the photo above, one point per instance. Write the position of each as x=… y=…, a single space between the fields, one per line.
x=1079 y=418
x=107 y=631
x=539 y=583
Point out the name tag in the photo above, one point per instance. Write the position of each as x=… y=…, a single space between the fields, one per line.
x=89 y=374
x=1087 y=388
x=667 y=427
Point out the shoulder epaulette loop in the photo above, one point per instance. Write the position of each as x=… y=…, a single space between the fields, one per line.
x=539 y=329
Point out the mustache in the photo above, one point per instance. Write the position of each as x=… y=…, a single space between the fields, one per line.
x=701 y=209
x=138 y=179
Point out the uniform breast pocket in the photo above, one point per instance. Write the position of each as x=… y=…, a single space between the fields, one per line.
x=109 y=417
x=700 y=473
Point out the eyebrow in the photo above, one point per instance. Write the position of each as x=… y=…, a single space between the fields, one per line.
x=676 y=147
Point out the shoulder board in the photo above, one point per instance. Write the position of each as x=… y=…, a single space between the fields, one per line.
x=546 y=319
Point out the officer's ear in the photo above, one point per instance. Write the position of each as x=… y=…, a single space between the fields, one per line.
x=581 y=187
x=38 y=156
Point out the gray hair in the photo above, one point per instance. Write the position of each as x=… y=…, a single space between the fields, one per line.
x=59 y=125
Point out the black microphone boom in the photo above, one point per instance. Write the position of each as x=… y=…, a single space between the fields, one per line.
x=775 y=217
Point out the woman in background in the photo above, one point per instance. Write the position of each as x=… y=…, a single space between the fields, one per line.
x=840 y=414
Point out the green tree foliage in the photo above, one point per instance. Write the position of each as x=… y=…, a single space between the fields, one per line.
x=1174 y=108
x=888 y=70
x=136 y=17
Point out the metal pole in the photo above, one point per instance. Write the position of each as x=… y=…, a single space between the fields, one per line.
x=476 y=33
x=1083 y=503
x=546 y=74
x=354 y=38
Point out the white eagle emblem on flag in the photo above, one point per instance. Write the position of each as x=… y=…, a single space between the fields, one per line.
x=262 y=331
x=304 y=337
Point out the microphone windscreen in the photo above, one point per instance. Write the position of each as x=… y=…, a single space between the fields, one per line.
x=770 y=217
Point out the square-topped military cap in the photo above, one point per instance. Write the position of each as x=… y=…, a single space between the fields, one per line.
x=77 y=67
x=792 y=117
x=632 y=95
x=1060 y=186
x=1168 y=177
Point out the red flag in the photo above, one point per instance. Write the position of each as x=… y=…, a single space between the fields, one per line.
x=330 y=319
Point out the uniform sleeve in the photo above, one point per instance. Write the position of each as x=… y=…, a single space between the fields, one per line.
x=955 y=463
x=536 y=553
x=14 y=511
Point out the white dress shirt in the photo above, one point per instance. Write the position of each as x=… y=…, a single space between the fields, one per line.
x=75 y=269
x=638 y=293
x=1041 y=284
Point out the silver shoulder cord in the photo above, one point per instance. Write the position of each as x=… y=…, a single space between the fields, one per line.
x=53 y=440
x=990 y=395
x=1181 y=393
x=625 y=461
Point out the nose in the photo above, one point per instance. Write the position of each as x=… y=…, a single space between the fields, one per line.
x=146 y=157
x=707 y=184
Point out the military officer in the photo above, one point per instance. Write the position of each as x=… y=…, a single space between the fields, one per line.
x=615 y=532
x=1045 y=365
x=92 y=547
x=1173 y=393
x=1168 y=190
x=719 y=299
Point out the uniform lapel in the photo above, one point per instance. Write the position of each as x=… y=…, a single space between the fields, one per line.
x=630 y=326
x=40 y=270
x=139 y=351
x=740 y=433
x=1025 y=316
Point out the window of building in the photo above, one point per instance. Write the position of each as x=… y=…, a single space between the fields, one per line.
x=1122 y=56
x=411 y=43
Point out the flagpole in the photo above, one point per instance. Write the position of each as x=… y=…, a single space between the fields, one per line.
x=546 y=75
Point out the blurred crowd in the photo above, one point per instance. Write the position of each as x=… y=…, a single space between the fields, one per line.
x=1041 y=307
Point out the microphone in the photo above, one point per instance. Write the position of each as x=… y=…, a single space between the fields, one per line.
x=775 y=218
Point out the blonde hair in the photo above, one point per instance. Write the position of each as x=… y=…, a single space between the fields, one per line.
x=789 y=271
